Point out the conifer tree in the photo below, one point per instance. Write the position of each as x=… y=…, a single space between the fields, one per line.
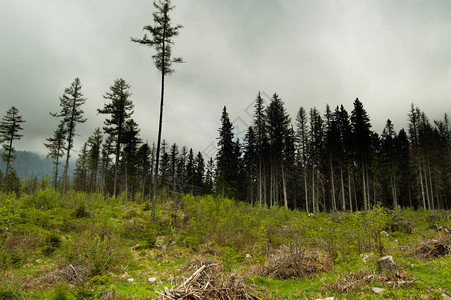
x=260 y=147
x=226 y=158
x=199 y=172
x=315 y=146
x=302 y=139
x=56 y=145
x=209 y=177
x=181 y=170
x=277 y=128
x=164 y=165
x=10 y=126
x=345 y=150
x=81 y=170
x=173 y=160
x=189 y=179
x=120 y=111
x=94 y=144
x=143 y=155
x=250 y=165
x=107 y=151
x=162 y=34
x=390 y=159
x=131 y=142
x=71 y=114
x=361 y=137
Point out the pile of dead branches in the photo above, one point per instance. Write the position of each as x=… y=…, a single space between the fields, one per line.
x=361 y=278
x=352 y=281
x=69 y=274
x=295 y=263
x=205 y=283
x=433 y=248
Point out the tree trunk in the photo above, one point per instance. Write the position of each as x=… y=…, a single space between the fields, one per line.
x=430 y=185
x=421 y=186
x=343 y=199
x=350 y=190
x=160 y=124
x=313 y=191
x=365 y=204
x=285 y=199
x=334 y=201
x=306 y=189
x=10 y=149
x=260 y=181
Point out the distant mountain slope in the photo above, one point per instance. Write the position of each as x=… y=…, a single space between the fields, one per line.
x=28 y=162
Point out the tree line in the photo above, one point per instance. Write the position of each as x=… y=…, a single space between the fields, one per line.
x=316 y=162
x=334 y=161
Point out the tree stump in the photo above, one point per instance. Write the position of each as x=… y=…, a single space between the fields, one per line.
x=386 y=264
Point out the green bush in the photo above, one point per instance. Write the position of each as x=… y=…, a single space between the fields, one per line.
x=51 y=243
x=147 y=206
x=130 y=214
x=81 y=211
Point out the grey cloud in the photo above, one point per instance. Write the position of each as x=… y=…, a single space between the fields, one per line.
x=388 y=53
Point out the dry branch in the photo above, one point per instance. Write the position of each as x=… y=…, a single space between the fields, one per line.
x=205 y=283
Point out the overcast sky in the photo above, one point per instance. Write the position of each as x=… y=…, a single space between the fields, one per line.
x=389 y=54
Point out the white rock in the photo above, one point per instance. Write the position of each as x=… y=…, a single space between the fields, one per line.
x=366 y=256
x=378 y=290
x=248 y=256
x=328 y=298
x=131 y=280
x=385 y=233
x=152 y=280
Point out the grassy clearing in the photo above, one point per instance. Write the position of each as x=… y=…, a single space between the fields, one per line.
x=91 y=246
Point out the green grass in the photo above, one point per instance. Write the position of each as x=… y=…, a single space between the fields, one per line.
x=105 y=237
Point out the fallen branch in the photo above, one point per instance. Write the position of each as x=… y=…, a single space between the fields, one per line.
x=204 y=285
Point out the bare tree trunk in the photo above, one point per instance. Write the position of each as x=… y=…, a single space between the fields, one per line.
x=421 y=185
x=367 y=176
x=334 y=201
x=343 y=200
x=306 y=189
x=430 y=184
x=426 y=186
x=260 y=181
x=365 y=204
x=271 y=186
x=285 y=199
x=313 y=190
x=350 y=189
x=160 y=125
x=55 y=180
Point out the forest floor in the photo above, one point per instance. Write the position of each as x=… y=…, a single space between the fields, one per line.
x=87 y=246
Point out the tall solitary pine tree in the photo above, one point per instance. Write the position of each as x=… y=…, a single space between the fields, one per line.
x=162 y=34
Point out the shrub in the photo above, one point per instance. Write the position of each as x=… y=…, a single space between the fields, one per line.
x=147 y=206
x=52 y=242
x=130 y=214
x=81 y=211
